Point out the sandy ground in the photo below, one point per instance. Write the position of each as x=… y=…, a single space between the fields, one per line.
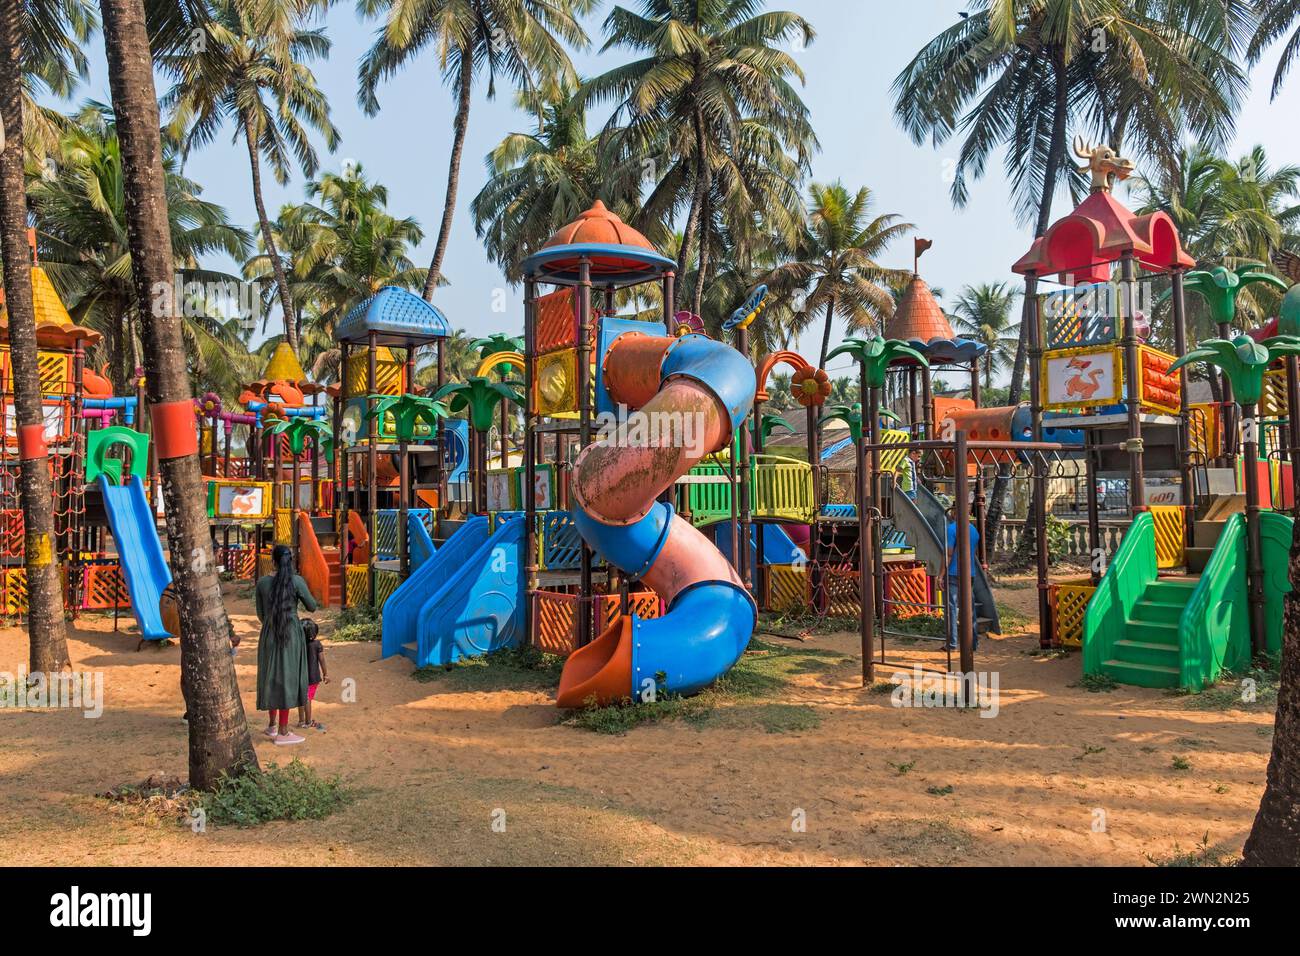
x=435 y=761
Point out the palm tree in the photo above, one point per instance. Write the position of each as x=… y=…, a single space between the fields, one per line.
x=835 y=268
x=983 y=313
x=519 y=39
x=709 y=91
x=541 y=180
x=478 y=397
x=345 y=246
x=252 y=71
x=1225 y=210
x=1018 y=74
x=55 y=33
x=44 y=30
x=219 y=742
x=1276 y=17
x=80 y=218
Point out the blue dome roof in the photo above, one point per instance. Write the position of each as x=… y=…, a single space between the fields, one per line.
x=397 y=317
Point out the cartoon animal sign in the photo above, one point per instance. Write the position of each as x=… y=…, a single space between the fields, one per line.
x=1081 y=379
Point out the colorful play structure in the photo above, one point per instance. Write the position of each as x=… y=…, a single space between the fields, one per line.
x=635 y=512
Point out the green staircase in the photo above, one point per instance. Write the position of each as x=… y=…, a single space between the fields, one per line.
x=1148 y=655
x=1149 y=630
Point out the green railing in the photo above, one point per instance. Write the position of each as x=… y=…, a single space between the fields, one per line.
x=781 y=489
x=1216 y=622
x=1126 y=579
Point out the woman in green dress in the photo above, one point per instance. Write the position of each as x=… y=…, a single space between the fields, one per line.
x=281 y=650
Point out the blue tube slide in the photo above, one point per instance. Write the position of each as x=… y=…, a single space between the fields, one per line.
x=135 y=531
x=709 y=623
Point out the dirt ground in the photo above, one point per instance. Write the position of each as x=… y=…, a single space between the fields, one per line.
x=1059 y=776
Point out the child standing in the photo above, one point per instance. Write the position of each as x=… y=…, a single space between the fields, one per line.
x=316 y=673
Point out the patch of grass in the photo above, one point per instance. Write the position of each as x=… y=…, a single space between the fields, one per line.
x=903 y=768
x=1011 y=619
x=1203 y=855
x=1089 y=750
x=357 y=624
x=510 y=667
x=294 y=792
x=1181 y=763
x=1096 y=683
x=940 y=791
x=923 y=625
x=764 y=671
x=883 y=688
x=783 y=718
x=1252 y=690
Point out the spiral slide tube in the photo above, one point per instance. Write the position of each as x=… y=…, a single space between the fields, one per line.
x=711 y=616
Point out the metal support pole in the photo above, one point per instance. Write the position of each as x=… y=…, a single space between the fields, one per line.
x=530 y=460
x=965 y=602
x=372 y=459
x=1254 y=551
x=585 y=600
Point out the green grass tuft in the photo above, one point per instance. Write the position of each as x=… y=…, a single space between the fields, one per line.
x=510 y=667
x=356 y=624
x=295 y=792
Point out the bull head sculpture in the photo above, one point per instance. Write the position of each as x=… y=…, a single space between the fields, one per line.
x=1104 y=163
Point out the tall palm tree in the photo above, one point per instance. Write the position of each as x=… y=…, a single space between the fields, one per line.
x=541 y=180
x=30 y=32
x=80 y=217
x=54 y=63
x=252 y=71
x=522 y=40
x=708 y=68
x=1276 y=17
x=219 y=742
x=1019 y=74
x=984 y=313
x=834 y=270
x=345 y=246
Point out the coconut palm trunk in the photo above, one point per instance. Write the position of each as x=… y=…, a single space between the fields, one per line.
x=826 y=334
x=48 y=643
x=464 y=91
x=1275 y=838
x=1055 y=159
x=218 y=731
x=264 y=224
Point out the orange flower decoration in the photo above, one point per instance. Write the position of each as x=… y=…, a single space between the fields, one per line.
x=811 y=386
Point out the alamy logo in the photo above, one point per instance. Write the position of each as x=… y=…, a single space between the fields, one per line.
x=74 y=909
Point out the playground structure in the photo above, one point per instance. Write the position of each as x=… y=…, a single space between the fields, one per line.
x=636 y=514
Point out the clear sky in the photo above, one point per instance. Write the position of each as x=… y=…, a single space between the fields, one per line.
x=860 y=48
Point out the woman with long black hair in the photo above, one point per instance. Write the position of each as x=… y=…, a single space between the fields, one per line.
x=281 y=651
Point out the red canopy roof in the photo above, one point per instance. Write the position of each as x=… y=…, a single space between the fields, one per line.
x=1100 y=231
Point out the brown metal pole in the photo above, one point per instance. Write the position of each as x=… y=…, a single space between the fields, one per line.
x=584 y=435
x=965 y=602
x=1184 y=435
x=866 y=555
x=341 y=470
x=1293 y=426
x=1038 y=516
x=372 y=458
x=530 y=459
x=749 y=559
x=1094 y=508
x=1254 y=551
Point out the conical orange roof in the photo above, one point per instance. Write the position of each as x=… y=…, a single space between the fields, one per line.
x=918 y=317
x=598 y=225
x=284 y=366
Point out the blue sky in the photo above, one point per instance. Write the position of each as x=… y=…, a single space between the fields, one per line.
x=860 y=48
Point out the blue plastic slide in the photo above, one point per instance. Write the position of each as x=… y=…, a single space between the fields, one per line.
x=402 y=609
x=135 y=530
x=480 y=607
x=778 y=546
x=418 y=542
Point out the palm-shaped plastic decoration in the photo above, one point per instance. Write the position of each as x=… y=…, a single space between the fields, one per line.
x=480 y=395
x=298 y=430
x=495 y=344
x=408 y=412
x=851 y=415
x=1243 y=360
x=769 y=424
x=1220 y=286
x=875 y=355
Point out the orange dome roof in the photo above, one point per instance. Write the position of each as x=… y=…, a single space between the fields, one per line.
x=918 y=317
x=598 y=225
